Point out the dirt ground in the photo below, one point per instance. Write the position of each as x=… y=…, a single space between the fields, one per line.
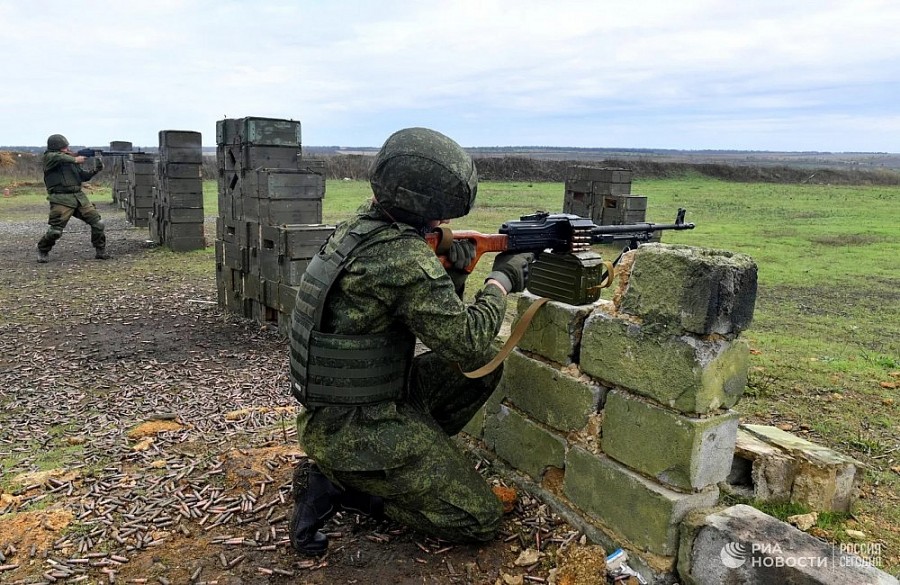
x=147 y=437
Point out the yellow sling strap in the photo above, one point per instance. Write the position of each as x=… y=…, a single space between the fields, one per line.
x=514 y=338
x=523 y=324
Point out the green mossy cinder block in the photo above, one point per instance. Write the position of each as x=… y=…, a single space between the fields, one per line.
x=555 y=331
x=683 y=372
x=684 y=288
x=475 y=426
x=645 y=513
x=685 y=452
x=548 y=394
x=522 y=443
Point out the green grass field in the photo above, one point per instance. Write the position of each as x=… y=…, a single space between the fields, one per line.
x=826 y=333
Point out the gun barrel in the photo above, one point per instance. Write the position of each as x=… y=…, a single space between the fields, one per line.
x=644 y=227
x=637 y=232
x=640 y=227
x=89 y=152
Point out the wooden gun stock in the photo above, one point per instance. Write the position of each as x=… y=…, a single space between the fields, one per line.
x=442 y=238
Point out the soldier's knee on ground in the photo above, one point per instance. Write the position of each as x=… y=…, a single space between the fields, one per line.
x=464 y=522
x=482 y=529
x=483 y=532
x=484 y=515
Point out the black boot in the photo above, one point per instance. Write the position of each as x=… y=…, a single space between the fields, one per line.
x=316 y=500
x=43 y=257
x=101 y=254
x=354 y=501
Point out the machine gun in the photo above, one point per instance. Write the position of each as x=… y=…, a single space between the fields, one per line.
x=92 y=152
x=565 y=269
x=560 y=233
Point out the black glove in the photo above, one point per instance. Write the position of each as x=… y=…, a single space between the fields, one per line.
x=511 y=270
x=460 y=255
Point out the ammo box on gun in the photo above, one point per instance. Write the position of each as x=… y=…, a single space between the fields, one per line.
x=575 y=279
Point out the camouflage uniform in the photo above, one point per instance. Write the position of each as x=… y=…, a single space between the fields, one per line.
x=63 y=178
x=401 y=449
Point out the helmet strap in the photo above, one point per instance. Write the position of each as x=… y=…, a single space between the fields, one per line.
x=383 y=210
x=421 y=227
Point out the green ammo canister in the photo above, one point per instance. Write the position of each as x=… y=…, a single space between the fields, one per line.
x=568 y=278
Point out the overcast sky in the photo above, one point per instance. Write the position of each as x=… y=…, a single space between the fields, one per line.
x=688 y=74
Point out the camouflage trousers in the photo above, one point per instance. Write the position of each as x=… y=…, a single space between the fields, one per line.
x=427 y=482
x=59 y=218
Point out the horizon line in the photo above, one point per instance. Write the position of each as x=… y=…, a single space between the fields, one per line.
x=610 y=149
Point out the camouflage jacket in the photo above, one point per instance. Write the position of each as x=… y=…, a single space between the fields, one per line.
x=63 y=178
x=399 y=280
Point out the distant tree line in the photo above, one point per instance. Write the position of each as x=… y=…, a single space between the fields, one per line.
x=526 y=169
x=27 y=167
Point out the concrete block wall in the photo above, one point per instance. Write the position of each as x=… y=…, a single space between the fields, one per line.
x=270 y=216
x=176 y=220
x=621 y=409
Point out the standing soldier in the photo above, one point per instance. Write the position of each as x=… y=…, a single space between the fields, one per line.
x=63 y=176
x=377 y=421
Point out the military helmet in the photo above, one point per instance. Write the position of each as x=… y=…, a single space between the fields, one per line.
x=57 y=142
x=421 y=175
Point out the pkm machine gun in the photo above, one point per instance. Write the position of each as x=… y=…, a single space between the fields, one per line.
x=565 y=268
x=94 y=152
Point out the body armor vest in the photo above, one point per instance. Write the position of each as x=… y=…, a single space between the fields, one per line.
x=63 y=178
x=329 y=369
